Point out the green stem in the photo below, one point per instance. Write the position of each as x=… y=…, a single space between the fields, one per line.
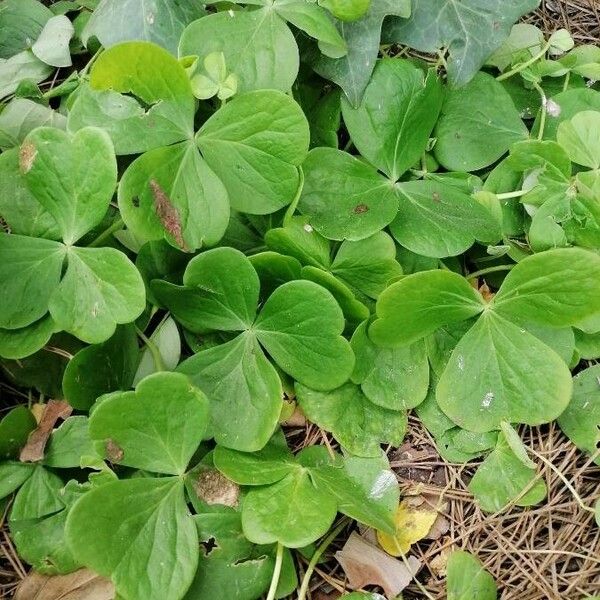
x=509 y=195
x=289 y=213
x=567 y=80
x=118 y=224
x=91 y=62
x=524 y=65
x=495 y=269
x=156 y=356
x=317 y=555
x=276 y=572
x=543 y=114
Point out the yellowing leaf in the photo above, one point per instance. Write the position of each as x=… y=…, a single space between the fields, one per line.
x=412 y=524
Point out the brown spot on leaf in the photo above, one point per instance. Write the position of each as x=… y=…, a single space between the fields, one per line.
x=214 y=488
x=33 y=450
x=435 y=197
x=27 y=155
x=167 y=213
x=114 y=452
x=359 y=209
x=485 y=291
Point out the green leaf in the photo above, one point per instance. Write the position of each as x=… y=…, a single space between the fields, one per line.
x=38 y=496
x=393 y=378
x=244 y=391
x=356 y=423
x=23 y=67
x=148 y=517
x=52 y=45
x=100 y=289
x=459 y=26
x=69 y=443
x=368 y=265
x=23 y=342
x=14 y=474
x=14 y=429
x=346 y=10
x=72 y=176
x=467 y=579
x=478 y=124
x=581 y=419
x=353 y=71
x=300 y=326
x=255 y=144
x=345 y=198
x=30 y=270
x=292 y=511
x=274 y=269
x=392 y=124
x=156 y=428
x=552 y=288
x=568 y=103
x=115 y=21
x=140 y=95
x=499 y=372
x=21 y=211
x=438 y=220
x=503 y=477
x=21 y=21
x=101 y=368
x=258 y=46
x=579 y=137
x=419 y=304
x=167 y=340
x=21 y=115
x=172 y=193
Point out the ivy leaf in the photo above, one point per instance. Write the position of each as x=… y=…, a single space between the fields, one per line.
x=552 y=288
x=503 y=476
x=438 y=220
x=101 y=368
x=72 y=176
x=255 y=144
x=100 y=289
x=345 y=198
x=419 y=304
x=148 y=518
x=140 y=95
x=291 y=511
x=258 y=47
x=392 y=378
x=30 y=270
x=467 y=579
x=156 y=428
x=172 y=193
x=357 y=424
x=499 y=372
x=21 y=21
x=399 y=109
x=579 y=137
x=471 y=30
x=300 y=326
x=478 y=124
x=115 y=21
x=353 y=71
x=244 y=390
x=581 y=419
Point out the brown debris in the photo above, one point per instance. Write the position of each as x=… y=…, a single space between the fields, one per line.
x=214 y=488
x=36 y=442
x=27 y=155
x=167 y=213
x=114 y=452
x=80 y=585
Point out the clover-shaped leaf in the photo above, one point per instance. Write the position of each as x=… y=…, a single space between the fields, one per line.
x=139 y=94
x=299 y=325
x=158 y=428
x=216 y=81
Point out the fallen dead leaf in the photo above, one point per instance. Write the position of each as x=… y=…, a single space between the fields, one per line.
x=296 y=419
x=33 y=450
x=80 y=585
x=167 y=213
x=214 y=488
x=439 y=563
x=414 y=520
x=365 y=564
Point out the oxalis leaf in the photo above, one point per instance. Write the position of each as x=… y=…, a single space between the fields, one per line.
x=299 y=325
x=287 y=508
x=157 y=428
x=470 y=29
x=483 y=383
x=468 y=580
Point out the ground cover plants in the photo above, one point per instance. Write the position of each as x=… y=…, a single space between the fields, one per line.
x=223 y=219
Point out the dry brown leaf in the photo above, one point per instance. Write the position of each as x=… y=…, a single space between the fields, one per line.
x=439 y=563
x=365 y=564
x=80 y=585
x=33 y=450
